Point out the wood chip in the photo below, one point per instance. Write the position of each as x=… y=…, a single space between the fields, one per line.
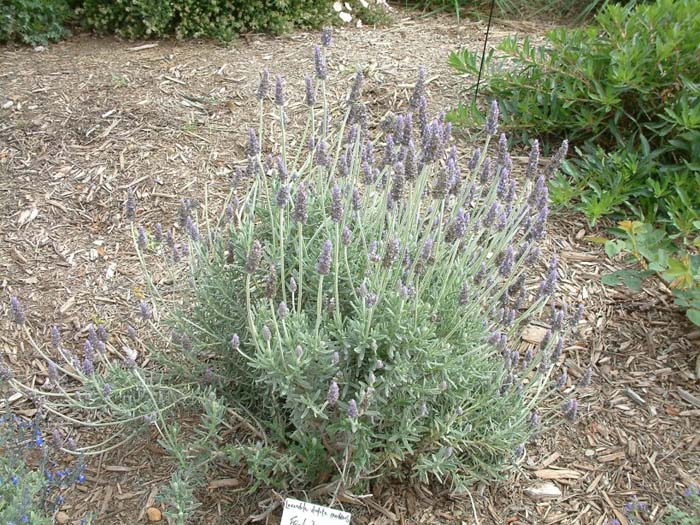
x=543 y=491
x=564 y=473
x=224 y=483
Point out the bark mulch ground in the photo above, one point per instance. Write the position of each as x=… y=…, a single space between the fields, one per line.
x=83 y=120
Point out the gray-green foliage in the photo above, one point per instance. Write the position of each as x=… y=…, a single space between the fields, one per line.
x=375 y=301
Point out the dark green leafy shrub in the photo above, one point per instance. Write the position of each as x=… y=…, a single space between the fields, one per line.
x=33 y=22
x=219 y=19
x=626 y=92
x=632 y=108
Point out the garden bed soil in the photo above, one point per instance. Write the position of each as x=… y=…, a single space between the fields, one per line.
x=82 y=121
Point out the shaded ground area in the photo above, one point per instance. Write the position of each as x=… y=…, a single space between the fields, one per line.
x=86 y=119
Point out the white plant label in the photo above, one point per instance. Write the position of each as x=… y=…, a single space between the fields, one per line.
x=302 y=513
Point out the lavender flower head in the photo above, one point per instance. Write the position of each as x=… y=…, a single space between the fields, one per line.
x=491 y=127
x=558 y=158
x=264 y=85
x=279 y=91
x=253 y=146
x=333 y=393
x=141 y=239
x=130 y=206
x=570 y=409
x=301 y=213
x=235 y=342
x=326 y=36
x=158 y=233
x=283 y=196
x=586 y=379
x=254 y=256
x=55 y=337
x=310 y=91
x=282 y=311
x=266 y=334
x=16 y=311
x=346 y=236
x=292 y=285
x=533 y=160
x=352 y=409
x=145 y=310
x=323 y=265
x=320 y=64
x=418 y=90
x=356 y=89
x=336 y=204
x=321 y=156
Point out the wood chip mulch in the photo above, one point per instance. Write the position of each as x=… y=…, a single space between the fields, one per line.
x=85 y=119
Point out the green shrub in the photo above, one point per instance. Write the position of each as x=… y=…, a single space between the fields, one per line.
x=579 y=9
x=626 y=92
x=33 y=22
x=356 y=309
x=219 y=19
x=633 y=108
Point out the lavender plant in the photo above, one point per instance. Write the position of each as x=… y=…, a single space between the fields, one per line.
x=360 y=303
x=100 y=386
x=32 y=480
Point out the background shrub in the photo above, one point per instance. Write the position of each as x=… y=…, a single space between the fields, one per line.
x=632 y=110
x=33 y=22
x=561 y=9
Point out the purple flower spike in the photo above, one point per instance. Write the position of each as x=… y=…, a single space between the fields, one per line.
x=506 y=265
x=88 y=368
x=283 y=196
x=310 y=91
x=352 y=409
x=145 y=311
x=192 y=229
x=586 y=379
x=336 y=204
x=491 y=127
x=323 y=266
x=563 y=377
x=346 y=236
x=418 y=90
x=266 y=334
x=300 y=213
x=571 y=409
x=550 y=282
x=264 y=85
x=533 y=160
x=279 y=91
x=320 y=64
x=254 y=256
x=292 y=285
x=321 y=155
x=141 y=240
x=558 y=158
x=333 y=393
x=326 y=36
x=235 y=342
x=253 y=147
x=282 y=311
x=55 y=337
x=53 y=372
x=356 y=89
x=17 y=311
x=485 y=174
x=130 y=206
